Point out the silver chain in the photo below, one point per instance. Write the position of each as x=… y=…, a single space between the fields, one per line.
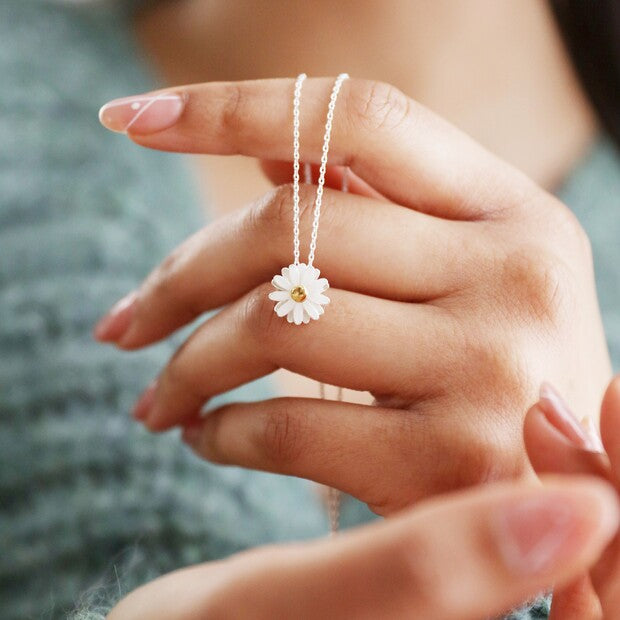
x=296 y=98
x=322 y=170
x=333 y=495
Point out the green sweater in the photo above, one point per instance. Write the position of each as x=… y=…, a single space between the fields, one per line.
x=89 y=501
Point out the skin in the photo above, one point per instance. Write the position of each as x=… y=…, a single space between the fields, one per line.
x=543 y=138
x=484 y=291
x=483 y=65
x=407 y=567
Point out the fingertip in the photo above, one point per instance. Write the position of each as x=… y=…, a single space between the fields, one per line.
x=610 y=423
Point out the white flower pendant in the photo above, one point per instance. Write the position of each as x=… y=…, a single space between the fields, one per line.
x=299 y=293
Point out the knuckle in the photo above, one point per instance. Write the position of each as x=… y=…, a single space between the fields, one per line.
x=273 y=213
x=230 y=118
x=378 y=104
x=572 y=239
x=258 y=319
x=282 y=436
x=535 y=283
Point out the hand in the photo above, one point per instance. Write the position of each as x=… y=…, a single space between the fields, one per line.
x=454 y=294
x=473 y=555
x=556 y=443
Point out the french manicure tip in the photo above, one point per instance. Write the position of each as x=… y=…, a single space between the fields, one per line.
x=142 y=114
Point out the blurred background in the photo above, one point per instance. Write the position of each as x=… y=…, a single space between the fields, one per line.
x=90 y=504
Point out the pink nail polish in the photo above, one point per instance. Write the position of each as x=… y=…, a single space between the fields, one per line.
x=593 y=435
x=536 y=533
x=142 y=114
x=558 y=413
x=145 y=402
x=117 y=320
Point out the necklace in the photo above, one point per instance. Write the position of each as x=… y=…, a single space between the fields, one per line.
x=299 y=293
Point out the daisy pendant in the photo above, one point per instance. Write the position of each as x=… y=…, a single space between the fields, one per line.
x=299 y=293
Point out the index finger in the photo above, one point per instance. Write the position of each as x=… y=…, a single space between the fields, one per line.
x=406 y=152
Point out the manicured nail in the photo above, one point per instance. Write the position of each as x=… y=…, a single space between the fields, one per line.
x=117 y=320
x=145 y=402
x=558 y=413
x=537 y=533
x=143 y=114
x=593 y=435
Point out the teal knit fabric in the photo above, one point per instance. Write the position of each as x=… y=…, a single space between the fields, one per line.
x=90 y=502
x=85 y=492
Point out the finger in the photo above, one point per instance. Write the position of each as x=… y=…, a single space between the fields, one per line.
x=349 y=447
x=551 y=451
x=576 y=601
x=227 y=259
x=610 y=425
x=248 y=340
x=281 y=173
x=400 y=148
x=505 y=544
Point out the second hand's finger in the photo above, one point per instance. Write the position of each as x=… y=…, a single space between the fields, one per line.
x=610 y=426
x=550 y=451
x=473 y=555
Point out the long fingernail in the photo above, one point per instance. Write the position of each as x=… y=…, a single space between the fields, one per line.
x=117 y=320
x=143 y=114
x=593 y=435
x=537 y=533
x=145 y=402
x=558 y=413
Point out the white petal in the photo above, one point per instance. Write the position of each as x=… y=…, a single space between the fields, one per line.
x=293 y=275
x=289 y=317
x=320 y=299
x=284 y=307
x=279 y=295
x=318 y=307
x=298 y=313
x=306 y=318
x=308 y=278
x=285 y=273
x=311 y=309
x=321 y=285
x=281 y=283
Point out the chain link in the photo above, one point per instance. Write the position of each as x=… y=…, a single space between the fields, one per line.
x=296 y=98
x=322 y=170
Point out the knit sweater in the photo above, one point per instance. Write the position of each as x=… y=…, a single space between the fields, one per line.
x=89 y=501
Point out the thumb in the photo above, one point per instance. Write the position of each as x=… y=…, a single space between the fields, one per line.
x=474 y=554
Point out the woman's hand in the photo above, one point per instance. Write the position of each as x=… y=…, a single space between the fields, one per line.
x=556 y=445
x=472 y=555
x=457 y=287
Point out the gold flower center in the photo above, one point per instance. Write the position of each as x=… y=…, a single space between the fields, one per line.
x=298 y=293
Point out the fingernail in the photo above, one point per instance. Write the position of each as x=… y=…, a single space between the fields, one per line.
x=142 y=114
x=145 y=402
x=558 y=413
x=117 y=320
x=535 y=534
x=593 y=435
